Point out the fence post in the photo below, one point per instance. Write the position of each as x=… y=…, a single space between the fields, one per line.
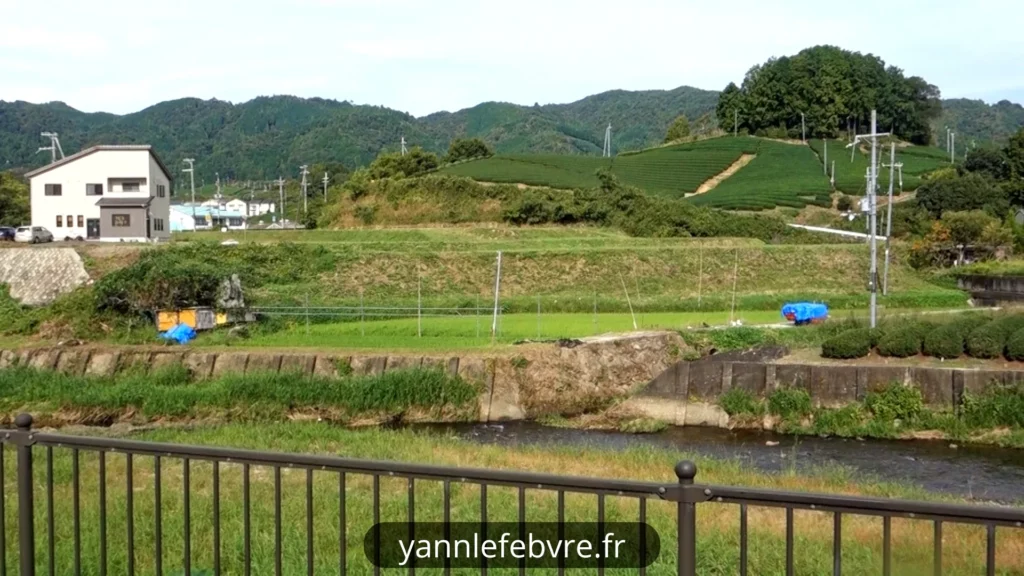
x=687 y=520
x=26 y=528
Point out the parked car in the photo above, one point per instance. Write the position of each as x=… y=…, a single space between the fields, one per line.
x=33 y=234
x=6 y=234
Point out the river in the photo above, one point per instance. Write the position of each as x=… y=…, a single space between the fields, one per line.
x=982 y=473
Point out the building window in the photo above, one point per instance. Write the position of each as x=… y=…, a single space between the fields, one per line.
x=53 y=190
x=161 y=190
x=81 y=221
x=120 y=220
x=158 y=224
x=70 y=221
x=94 y=189
x=129 y=187
x=59 y=221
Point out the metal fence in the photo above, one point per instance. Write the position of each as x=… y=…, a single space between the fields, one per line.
x=685 y=498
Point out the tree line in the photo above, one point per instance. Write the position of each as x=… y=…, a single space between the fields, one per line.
x=836 y=90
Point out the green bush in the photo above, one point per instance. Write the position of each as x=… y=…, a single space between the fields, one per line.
x=850 y=344
x=949 y=340
x=896 y=402
x=989 y=339
x=1015 y=346
x=1000 y=405
x=789 y=403
x=904 y=341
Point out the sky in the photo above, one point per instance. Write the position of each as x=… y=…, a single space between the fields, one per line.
x=422 y=56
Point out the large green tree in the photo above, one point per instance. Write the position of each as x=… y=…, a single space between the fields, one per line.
x=835 y=90
x=396 y=165
x=958 y=193
x=679 y=129
x=14 y=205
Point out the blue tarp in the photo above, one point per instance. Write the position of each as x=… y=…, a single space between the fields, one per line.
x=803 y=312
x=182 y=334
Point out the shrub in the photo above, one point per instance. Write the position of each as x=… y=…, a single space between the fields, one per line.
x=844 y=203
x=850 y=344
x=999 y=405
x=904 y=341
x=989 y=339
x=789 y=403
x=1015 y=346
x=896 y=402
x=949 y=340
x=366 y=214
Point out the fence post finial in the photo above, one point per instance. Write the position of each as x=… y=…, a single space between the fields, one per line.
x=23 y=421
x=686 y=471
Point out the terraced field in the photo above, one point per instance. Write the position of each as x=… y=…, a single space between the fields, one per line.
x=917 y=160
x=780 y=175
x=672 y=171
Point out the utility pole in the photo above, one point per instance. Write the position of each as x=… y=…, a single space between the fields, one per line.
x=53 y=148
x=192 y=180
x=833 y=179
x=404 y=151
x=305 y=208
x=824 y=161
x=735 y=123
x=607 y=152
x=947 y=137
x=325 y=181
x=952 y=147
x=803 y=129
x=872 y=207
x=280 y=195
x=888 y=220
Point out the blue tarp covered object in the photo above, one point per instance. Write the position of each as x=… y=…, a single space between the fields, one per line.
x=804 y=312
x=182 y=334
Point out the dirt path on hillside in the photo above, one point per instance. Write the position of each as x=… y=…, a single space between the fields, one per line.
x=718 y=178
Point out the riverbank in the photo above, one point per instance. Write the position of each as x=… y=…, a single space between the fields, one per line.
x=718 y=540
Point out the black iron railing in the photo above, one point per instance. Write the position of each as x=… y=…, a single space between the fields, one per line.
x=347 y=477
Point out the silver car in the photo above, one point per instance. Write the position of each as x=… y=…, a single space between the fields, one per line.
x=33 y=235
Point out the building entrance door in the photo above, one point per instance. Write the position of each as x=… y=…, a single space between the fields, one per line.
x=92 y=228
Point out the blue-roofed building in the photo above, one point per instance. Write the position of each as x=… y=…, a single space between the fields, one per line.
x=188 y=217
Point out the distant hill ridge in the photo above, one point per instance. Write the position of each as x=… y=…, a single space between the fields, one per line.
x=271 y=136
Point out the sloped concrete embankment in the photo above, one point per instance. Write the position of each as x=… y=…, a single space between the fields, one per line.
x=37 y=276
x=687 y=393
x=567 y=378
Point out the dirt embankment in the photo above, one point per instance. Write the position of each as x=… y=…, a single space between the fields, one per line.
x=721 y=176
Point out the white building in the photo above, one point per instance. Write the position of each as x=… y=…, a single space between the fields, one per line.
x=261 y=208
x=108 y=193
x=187 y=218
x=236 y=205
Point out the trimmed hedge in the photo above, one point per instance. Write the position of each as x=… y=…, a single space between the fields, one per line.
x=1015 y=346
x=989 y=340
x=904 y=341
x=950 y=340
x=854 y=343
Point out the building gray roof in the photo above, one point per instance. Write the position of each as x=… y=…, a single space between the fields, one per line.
x=124 y=202
x=102 y=147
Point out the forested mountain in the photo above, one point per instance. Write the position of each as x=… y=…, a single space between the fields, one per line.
x=977 y=122
x=271 y=136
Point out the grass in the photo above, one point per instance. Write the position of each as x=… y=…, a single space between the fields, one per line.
x=781 y=175
x=718 y=536
x=670 y=171
x=169 y=393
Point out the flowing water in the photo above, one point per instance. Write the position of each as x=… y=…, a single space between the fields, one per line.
x=976 y=472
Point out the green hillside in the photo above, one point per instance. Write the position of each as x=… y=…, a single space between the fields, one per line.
x=852 y=165
x=671 y=171
x=780 y=175
x=976 y=122
x=268 y=137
